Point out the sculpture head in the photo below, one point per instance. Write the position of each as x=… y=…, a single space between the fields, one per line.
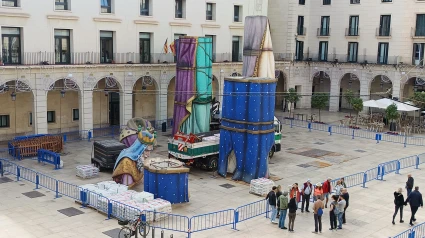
x=145 y=137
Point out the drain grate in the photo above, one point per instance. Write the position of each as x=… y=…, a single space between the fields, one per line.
x=5 y=180
x=34 y=194
x=70 y=212
x=227 y=185
x=112 y=233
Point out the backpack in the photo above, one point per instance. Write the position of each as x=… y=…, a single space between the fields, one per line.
x=320 y=212
x=335 y=210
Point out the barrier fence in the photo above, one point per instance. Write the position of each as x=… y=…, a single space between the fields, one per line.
x=47 y=156
x=202 y=222
x=355 y=133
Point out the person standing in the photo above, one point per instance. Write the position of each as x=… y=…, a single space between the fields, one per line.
x=318 y=207
x=292 y=207
x=327 y=189
x=399 y=203
x=415 y=200
x=341 y=207
x=295 y=192
x=278 y=193
x=333 y=212
x=318 y=192
x=272 y=202
x=409 y=184
x=338 y=187
x=346 y=197
x=306 y=192
x=343 y=183
x=283 y=201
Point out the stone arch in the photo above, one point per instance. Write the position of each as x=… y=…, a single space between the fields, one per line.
x=348 y=81
x=63 y=106
x=281 y=87
x=107 y=102
x=321 y=83
x=145 y=94
x=380 y=86
x=17 y=100
x=412 y=85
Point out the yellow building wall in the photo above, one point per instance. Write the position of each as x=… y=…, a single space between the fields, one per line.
x=63 y=110
x=144 y=102
x=21 y=119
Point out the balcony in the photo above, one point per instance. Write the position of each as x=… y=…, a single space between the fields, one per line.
x=383 y=32
x=344 y=58
x=352 y=32
x=418 y=33
x=323 y=32
x=301 y=31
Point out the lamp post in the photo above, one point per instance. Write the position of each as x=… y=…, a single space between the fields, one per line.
x=62 y=92
x=13 y=95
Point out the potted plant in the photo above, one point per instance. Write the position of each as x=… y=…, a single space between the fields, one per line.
x=292 y=97
x=392 y=114
x=357 y=104
x=319 y=101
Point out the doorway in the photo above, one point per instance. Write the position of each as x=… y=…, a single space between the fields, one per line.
x=114 y=109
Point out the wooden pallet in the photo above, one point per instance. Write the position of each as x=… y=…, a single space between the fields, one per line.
x=30 y=147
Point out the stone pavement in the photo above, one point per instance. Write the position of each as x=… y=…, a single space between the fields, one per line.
x=314 y=155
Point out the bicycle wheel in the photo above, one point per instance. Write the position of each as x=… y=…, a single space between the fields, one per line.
x=144 y=226
x=125 y=232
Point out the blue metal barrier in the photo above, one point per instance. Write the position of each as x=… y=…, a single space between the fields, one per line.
x=212 y=220
x=167 y=221
x=47 y=156
x=251 y=210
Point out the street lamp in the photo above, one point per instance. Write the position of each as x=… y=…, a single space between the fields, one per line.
x=13 y=95
x=62 y=93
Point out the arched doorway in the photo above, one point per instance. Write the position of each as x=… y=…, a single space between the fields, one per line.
x=381 y=87
x=280 y=90
x=321 y=83
x=16 y=111
x=145 y=92
x=351 y=82
x=412 y=85
x=63 y=107
x=106 y=103
x=170 y=98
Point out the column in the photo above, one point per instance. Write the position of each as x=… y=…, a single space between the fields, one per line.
x=86 y=111
x=126 y=105
x=364 y=92
x=161 y=102
x=334 y=97
x=40 y=109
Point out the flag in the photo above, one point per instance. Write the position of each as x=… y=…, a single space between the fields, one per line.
x=173 y=48
x=166 y=46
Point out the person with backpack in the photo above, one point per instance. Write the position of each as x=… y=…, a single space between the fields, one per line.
x=341 y=206
x=399 y=203
x=292 y=207
x=333 y=212
x=318 y=207
x=283 y=206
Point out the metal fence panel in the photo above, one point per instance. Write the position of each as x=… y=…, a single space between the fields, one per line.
x=350 y=180
x=319 y=127
x=123 y=211
x=365 y=134
x=389 y=167
x=393 y=138
x=69 y=190
x=212 y=220
x=252 y=210
x=419 y=231
x=341 y=130
x=408 y=162
x=97 y=201
x=372 y=174
x=28 y=174
x=413 y=140
x=167 y=221
x=47 y=182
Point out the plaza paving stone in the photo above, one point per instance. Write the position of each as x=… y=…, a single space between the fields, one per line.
x=369 y=214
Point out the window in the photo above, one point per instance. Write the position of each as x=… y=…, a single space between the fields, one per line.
x=61 y=5
x=62 y=47
x=4 y=121
x=326 y=2
x=353 y=29
x=210 y=11
x=385 y=25
x=354 y=1
x=300 y=26
x=10 y=3
x=106 y=6
x=51 y=118
x=301 y=2
x=418 y=54
x=237 y=13
x=11 y=45
x=75 y=114
x=420 y=25
x=180 y=9
x=352 y=51
x=106 y=46
x=299 y=50
x=235 y=48
x=145 y=47
x=144 y=7
x=212 y=37
x=383 y=53
x=324 y=26
x=323 y=51
x=387 y=0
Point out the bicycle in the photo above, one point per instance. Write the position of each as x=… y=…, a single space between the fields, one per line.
x=129 y=228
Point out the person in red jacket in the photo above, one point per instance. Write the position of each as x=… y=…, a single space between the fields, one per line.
x=327 y=190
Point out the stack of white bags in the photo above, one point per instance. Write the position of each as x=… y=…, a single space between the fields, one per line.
x=120 y=196
x=261 y=186
x=87 y=171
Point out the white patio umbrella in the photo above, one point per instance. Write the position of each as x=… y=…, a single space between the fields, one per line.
x=400 y=106
x=373 y=104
